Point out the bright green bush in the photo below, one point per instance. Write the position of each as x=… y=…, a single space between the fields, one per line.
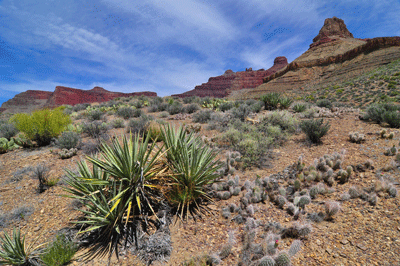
x=43 y=125
x=271 y=100
x=59 y=252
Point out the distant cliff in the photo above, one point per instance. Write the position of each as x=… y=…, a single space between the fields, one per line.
x=221 y=86
x=30 y=100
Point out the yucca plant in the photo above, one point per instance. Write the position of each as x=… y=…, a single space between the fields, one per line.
x=193 y=167
x=271 y=100
x=14 y=252
x=121 y=192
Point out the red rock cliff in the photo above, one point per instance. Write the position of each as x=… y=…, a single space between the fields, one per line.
x=221 y=86
x=71 y=96
x=30 y=100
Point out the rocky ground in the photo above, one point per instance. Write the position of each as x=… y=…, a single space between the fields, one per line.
x=360 y=234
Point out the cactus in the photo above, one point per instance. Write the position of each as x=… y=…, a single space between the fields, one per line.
x=392 y=191
x=373 y=199
x=368 y=164
x=297 y=185
x=6 y=145
x=266 y=261
x=236 y=191
x=280 y=201
x=354 y=192
x=383 y=133
x=314 y=191
x=283 y=259
x=227 y=248
x=356 y=137
x=291 y=209
x=304 y=200
x=21 y=140
x=294 y=248
x=226 y=195
x=65 y=154
x=331 y=208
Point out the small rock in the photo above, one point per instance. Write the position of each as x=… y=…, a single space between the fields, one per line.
x=329 y=251
x=344 y=241
x=362 y=247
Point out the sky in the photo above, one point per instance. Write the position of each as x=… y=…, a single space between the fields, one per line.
x=167 y=47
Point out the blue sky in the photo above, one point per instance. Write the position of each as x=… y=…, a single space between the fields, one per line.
x=164 y=46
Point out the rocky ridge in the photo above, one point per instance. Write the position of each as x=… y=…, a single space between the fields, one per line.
x=334 y=57
x=30 y=100
x=221 y=86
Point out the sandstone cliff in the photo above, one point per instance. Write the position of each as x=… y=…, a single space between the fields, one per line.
x=222 y=86
x=31 y=100
x=334 y=57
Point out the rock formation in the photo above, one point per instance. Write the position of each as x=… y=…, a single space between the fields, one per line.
x=221 y=86
x=30 y=100
x=334 y=57
x=333 y=29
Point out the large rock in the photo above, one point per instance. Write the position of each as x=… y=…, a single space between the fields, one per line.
x=222 y=86
x=31 y=100
x=333 y=29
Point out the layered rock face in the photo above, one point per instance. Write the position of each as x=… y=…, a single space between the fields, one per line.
x=71 y=96
x=223 y=85
x=334 y=57
x=333 y=29
x=31 y=100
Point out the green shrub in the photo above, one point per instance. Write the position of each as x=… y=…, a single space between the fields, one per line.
x=118 y=123
x=95 y=114
x=324 y=103
x=226 y=106
x=315 y=129
x=285 y=102
x=285 y=120
x=41 y=126
x=191 y=108
x=202 y=117
x=392 y=118
x=139 y=125
x=299 y=107
x=271 y=100
x=14 y=252
x=240 y=112
x=191 y=99
x=80 y=107
x=6 y=145
x=94 y=129
x=126 y=112
x=68 y=140
x=121 y=192
x=175 y=108
x=59 y=252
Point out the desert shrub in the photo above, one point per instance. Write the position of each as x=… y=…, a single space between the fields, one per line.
x=378 y=112
x=8 y=131
x=119 y=194
x=59 y=252
x=194 y=167
x=392 y=118
x=42 y=125
x=271 y=100
x=95 y=114
x=285 y=120
x=324 y=103
x=118 y=123
x=68 y=140
x=175 y=108
x=219 y=121
x=191 y=99
x=126 y=112
x=15 y=252
x=20 y=173
x=226 y=106
x=202 y=117
x=240 y=112
x=80 y=107
x=138 y=125
x=256 y=106
x=315 y=129
x=21 y=213
x=156 y=100
x=94 y=129
x=191 y=108
x=285 y=102
x=90 y=147
x=299 y=107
